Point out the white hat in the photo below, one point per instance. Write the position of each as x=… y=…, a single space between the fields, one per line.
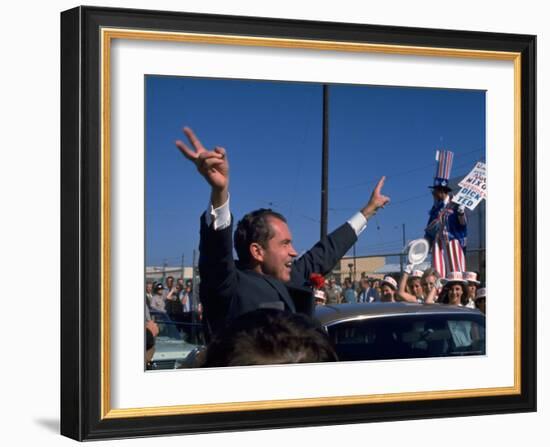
x=390 y=282
x=471 y=277
x=320 y=295
x=417 y=251
x=454 y=277
x=416 y=274
x=481 y=293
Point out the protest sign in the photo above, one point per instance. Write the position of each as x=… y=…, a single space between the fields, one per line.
x=473 y=187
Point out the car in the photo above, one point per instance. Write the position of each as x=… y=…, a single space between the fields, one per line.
x=176 y=342
x=381 y=331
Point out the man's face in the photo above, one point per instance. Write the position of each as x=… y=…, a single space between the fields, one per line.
x=180 y=282
x=169 y=282
x=278 y=254
x=439 y=194
x=149 y=287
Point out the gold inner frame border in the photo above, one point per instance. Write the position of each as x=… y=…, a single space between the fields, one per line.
x=107 y=35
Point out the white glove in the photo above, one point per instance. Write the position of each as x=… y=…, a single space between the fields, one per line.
x=461 y=209
x=409 y=268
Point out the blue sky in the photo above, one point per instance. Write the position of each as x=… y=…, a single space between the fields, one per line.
x=272 y=132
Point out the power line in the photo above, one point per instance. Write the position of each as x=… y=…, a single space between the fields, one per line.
x=409 y=171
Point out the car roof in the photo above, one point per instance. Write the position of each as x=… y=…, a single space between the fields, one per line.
x=337 y=312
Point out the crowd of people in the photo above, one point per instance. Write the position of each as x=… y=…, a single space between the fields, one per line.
x=170 y=305
x=413 y=286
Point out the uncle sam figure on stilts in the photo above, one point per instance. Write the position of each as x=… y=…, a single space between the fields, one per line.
x=446 y=230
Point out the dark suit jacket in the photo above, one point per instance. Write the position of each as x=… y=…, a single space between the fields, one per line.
x=227 y=290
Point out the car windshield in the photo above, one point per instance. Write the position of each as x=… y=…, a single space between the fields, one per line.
x=409 y=336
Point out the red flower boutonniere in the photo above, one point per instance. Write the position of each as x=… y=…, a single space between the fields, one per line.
x=317 y=280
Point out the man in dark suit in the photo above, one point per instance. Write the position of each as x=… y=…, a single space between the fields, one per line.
x=267 y=275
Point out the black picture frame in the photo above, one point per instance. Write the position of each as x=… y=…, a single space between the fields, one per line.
x=83 y=406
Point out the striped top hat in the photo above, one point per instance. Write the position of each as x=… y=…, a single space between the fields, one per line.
x=443 y=165
x=471 y=277
x=454 y=277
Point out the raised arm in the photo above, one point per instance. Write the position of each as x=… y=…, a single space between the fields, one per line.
x=377 y=200
x=212 y=165
x=402 y=292
x=324 y=255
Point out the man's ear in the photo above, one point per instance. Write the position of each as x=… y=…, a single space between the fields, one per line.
x=256 y=252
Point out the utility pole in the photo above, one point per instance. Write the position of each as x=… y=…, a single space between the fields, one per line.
x=164 y=265
x=354 y=265
x=324 y=164
x=404 y=242
x=183 y=266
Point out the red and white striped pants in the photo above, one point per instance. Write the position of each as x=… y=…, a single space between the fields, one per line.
x=448 y=255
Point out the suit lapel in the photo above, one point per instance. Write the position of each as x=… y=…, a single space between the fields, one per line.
x=282 y=291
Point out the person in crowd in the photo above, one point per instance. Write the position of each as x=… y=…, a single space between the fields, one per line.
x=389 y=289
x=148 y=292
x=268 y=272
x=269 y=337
x=376 y=286
x=317 y=283
x=333 y=292
x=157 y=301
x=170 y=282
x=349 y=293
x=174 y=308
x=169 y=287
x=185 y=296
x=481 y=300
x=410 y=286
x=367 y=294
x=473 y=284
x=430 y=283
x=151 y=331
x=320 y=297
x=447 y=227
x=454 y=291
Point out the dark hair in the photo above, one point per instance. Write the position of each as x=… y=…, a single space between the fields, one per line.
x=269 y=337
x=444 y=296
x=254 y=227
x=411 y=279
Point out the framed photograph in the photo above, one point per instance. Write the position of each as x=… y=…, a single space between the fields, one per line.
x=340 y=128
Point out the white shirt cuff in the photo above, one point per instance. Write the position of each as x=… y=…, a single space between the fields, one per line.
x=358 y=222
x=220 y=217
